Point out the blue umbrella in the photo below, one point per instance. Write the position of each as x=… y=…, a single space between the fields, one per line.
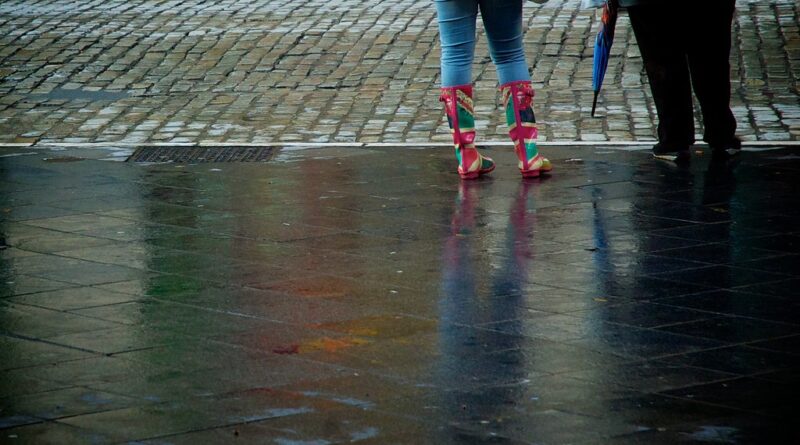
x=602 y=46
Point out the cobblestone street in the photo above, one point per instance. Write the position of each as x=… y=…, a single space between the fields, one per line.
x=340 y=71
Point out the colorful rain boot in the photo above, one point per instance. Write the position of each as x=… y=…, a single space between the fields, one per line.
x=518 y=103
x=460 y=116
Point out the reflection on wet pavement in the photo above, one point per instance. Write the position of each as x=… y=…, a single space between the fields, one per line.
x=368 y=296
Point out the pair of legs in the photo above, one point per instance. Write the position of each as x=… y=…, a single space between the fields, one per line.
x=502 y=20
x=685 y=49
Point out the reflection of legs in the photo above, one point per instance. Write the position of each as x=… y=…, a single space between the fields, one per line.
x=511 y=277
x=485 y=361
x=458 y=280
x=710 y=68
x=509 y=288
x=457 y=35
x=664 y=58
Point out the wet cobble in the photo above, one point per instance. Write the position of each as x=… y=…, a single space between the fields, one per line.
x=338 y=71
x=352 y=295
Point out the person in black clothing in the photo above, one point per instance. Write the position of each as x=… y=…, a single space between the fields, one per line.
x=686 y=45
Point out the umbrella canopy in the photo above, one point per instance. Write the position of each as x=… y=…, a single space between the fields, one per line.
x=602 y=47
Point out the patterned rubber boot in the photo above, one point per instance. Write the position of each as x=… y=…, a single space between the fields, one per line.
x=518 y=104
x=460 y=116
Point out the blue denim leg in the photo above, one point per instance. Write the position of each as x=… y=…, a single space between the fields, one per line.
x=457 y=36
x=502 y=20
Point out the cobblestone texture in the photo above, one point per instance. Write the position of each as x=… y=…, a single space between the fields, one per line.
x=337 y=71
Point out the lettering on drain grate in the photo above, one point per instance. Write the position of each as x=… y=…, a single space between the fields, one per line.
x=201 y=154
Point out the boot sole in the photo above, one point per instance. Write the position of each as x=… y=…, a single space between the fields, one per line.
x=535 y=173
x=673 y=157
x=531 y=173
x=475 y=175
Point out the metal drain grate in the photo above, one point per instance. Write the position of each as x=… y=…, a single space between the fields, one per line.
x=201 y=154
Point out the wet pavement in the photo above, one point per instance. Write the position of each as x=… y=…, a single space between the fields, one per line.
x=362 y=295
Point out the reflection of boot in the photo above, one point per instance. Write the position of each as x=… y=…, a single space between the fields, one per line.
x=458 y=280
x=463 y=221
x=518 y=105
x=460 y=116
x=511 y=278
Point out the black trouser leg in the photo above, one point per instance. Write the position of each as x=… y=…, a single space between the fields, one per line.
x=708 y=55
x=664 y=56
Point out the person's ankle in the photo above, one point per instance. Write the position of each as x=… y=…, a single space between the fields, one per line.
x=670 y=152
x=662 y=148
x=731 y=147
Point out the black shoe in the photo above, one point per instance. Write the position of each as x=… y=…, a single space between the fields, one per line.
x=670 y=153
x=726 y=150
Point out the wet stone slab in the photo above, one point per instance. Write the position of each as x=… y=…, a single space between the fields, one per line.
x=352 y=295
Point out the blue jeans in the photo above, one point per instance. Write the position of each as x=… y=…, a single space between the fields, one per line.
x=502 y=20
